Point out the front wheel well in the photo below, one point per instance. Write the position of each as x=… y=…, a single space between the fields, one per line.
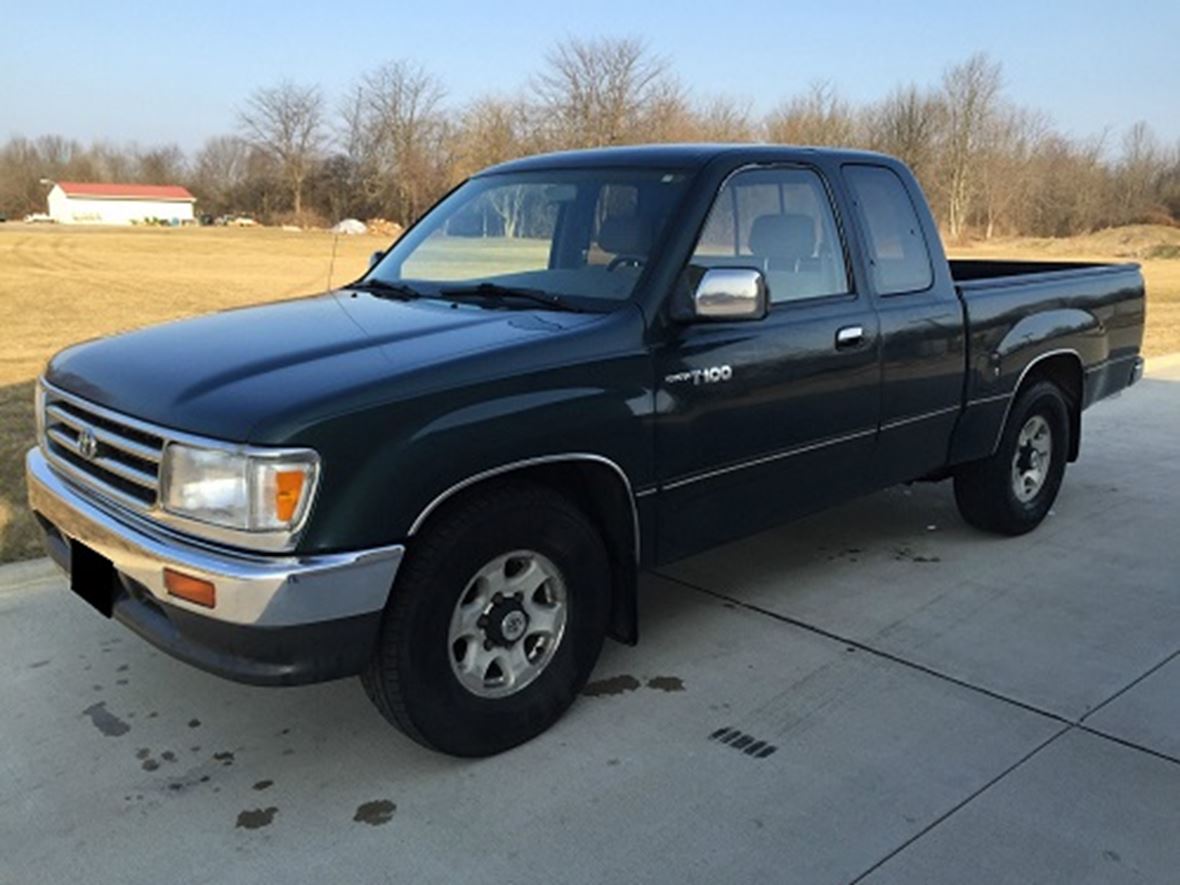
x=1064 y=371
x=601 y=491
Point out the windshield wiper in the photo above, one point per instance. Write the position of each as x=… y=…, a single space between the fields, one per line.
x=495 y=290
x=378 y=287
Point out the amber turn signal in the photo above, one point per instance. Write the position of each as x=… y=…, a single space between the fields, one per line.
x=288 y=489
x=192 y=589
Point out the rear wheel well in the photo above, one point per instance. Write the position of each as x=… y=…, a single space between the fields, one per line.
x=1064 y=371
x=602 y=493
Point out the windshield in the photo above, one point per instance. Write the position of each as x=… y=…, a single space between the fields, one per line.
x=581 y=236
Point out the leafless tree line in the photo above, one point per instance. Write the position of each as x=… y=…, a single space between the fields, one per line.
x=392 y=145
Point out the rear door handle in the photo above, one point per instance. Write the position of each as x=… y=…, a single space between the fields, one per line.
x=850 y=336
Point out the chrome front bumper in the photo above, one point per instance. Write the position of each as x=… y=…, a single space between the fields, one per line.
x=252 y=590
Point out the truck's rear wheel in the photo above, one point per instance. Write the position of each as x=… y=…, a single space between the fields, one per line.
x=494 y=623
x=1012 y=491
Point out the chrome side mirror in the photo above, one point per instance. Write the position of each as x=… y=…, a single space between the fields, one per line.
x=374 y=258
x=730 y=293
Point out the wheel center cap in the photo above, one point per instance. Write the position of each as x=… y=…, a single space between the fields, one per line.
x=513 y=625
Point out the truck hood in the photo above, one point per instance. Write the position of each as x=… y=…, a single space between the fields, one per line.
x=230 y=374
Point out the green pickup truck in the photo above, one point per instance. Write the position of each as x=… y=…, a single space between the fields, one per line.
x=447 y=476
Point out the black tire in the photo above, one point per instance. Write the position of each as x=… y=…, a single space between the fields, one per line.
x=410 y=677
x=985 y=490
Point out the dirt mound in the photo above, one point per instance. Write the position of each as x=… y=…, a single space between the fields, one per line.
x=1132 y=241
x=383 y=227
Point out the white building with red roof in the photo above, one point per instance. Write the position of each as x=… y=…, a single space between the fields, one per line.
x=73 y=202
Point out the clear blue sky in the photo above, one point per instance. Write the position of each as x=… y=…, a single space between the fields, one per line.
x=166 y=71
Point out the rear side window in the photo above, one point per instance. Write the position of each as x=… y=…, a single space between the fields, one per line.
x=778 y=220
x=898 y=258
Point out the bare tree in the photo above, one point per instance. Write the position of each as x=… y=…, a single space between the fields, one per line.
x=287 y=122
x=666 y=115
x=818 y=117
x=165 y=164
x=970 y=91
x=394 y=130
x=1070 y=187
x=723 y=118
x=1009 y=140
x=110 y=162
x=602 y=91
x=1138 y=171
x=493 y=129
x=219 y=173
x=907 y=124
x=60 y=154
x=21 y=168
x=1169 y=182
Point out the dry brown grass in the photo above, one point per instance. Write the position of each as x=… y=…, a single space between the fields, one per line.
x=62 y=285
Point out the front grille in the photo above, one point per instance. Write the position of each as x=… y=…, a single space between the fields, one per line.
x=115 y=456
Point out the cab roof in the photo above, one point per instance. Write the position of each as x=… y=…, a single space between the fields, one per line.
x=675 y=156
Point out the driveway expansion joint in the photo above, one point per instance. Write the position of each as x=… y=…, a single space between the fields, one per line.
x=967 y=800
x=954 y=680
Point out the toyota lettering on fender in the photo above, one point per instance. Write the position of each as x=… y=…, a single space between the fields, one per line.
x=447 y=476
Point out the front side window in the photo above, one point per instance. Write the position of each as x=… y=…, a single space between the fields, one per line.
x=898 y=258
x=584 y=235
x=780 y=221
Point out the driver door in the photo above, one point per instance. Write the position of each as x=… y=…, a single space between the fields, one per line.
x=759 y=421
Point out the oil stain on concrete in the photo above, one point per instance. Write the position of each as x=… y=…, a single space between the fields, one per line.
x=610 y=686
x=666 y=683
x=105 y=721
x=375 y=813
x=256 y=818
x=616 y=685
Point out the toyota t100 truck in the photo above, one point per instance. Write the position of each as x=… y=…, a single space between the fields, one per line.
x=447 y=476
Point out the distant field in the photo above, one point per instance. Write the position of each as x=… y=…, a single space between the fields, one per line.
x=62 y=285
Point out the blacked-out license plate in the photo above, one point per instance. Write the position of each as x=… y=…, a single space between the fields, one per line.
x=92 y=577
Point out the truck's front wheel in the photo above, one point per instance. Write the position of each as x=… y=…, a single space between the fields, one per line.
x=1012 y=491
x=494 y=623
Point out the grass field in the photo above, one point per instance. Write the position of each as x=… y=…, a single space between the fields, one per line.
x=62 y=285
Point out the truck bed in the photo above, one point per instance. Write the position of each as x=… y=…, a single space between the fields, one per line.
x=965 y=271
x=1019 y=312
x=1015 y=311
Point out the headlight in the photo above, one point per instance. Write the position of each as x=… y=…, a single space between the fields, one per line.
x=253 y=491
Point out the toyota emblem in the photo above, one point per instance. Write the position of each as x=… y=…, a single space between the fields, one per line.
x=87 y=445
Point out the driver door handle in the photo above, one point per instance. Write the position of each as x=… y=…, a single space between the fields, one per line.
x=850 y=336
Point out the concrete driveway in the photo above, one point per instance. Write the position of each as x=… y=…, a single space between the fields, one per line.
x=878 y=692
